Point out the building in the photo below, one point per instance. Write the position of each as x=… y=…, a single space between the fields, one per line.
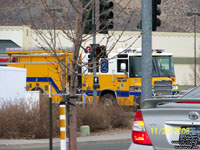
x=180 y=44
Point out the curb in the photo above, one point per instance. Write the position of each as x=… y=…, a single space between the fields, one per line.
x=57 y=144
x=16 y=144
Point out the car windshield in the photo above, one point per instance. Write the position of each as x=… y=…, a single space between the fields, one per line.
x=162 y=66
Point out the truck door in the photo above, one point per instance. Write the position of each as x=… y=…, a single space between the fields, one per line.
x=122 y=81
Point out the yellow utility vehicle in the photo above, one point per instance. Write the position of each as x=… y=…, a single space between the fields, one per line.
x=43 y=68
x=119 y=77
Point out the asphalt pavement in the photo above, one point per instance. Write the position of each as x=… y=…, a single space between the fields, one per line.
x=101 y=137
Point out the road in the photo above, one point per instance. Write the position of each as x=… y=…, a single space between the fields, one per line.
x=111 y=145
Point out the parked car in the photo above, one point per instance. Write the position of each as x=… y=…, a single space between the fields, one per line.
x=167 y=124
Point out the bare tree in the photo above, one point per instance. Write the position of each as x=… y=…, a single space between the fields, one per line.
x=71 y=24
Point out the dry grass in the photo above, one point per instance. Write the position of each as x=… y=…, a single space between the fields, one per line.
x=22 y=121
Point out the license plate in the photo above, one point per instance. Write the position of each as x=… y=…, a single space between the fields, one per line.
x=193 y=136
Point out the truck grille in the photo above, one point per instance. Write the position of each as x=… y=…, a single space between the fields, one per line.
x=163 y=87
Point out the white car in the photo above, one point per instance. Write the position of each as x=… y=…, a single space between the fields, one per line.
x=167 y=124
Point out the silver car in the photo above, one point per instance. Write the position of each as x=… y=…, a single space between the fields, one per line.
x=167 y=124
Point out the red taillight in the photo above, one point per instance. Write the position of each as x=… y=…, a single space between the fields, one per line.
x=141 y=138
x=139 y=133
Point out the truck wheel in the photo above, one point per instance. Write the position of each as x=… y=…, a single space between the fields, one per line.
x=108 y=100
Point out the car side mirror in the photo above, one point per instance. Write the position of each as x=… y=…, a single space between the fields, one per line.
x=123 y=68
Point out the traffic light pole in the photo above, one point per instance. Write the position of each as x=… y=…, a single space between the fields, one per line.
x=94 y=58
x=146 y=50
x=94 y=73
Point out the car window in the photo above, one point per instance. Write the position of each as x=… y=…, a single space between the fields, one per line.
x=194 y=93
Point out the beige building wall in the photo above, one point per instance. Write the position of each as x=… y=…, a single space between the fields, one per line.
x=180 y=44
x=19 y=34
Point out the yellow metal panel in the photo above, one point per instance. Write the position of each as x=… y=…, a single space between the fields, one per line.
x=37 y=70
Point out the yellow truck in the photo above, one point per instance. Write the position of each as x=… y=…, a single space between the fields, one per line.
x=43 y=68
x=119 y=77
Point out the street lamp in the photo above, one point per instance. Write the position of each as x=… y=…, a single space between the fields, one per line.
x=194 y=14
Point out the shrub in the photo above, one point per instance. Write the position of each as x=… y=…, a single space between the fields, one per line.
x=102 y=118
x=22 y=121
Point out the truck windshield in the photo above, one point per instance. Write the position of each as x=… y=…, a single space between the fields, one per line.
x=162 y=66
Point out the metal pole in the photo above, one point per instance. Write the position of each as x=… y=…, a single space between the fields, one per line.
x=54 y=27
x=194 y=14
x=68 y=116
x=195 y=57
x=50 y=119
x=146 y=50
x=50 y=92
x=94 y=58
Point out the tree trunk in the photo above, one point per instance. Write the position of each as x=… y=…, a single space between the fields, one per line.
x=73 y=84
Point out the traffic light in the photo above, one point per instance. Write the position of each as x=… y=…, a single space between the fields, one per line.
x=87 y=18
x=100 y=52
x=156 y=11
x=97 y=51
x=93 y=51
x=105 y=16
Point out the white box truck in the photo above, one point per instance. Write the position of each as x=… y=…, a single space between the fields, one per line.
x=12 y=83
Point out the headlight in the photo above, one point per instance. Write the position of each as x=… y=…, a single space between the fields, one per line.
x=174 y=87
x=135 y=88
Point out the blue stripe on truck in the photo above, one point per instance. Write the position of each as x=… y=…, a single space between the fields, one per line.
x=44 y=79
